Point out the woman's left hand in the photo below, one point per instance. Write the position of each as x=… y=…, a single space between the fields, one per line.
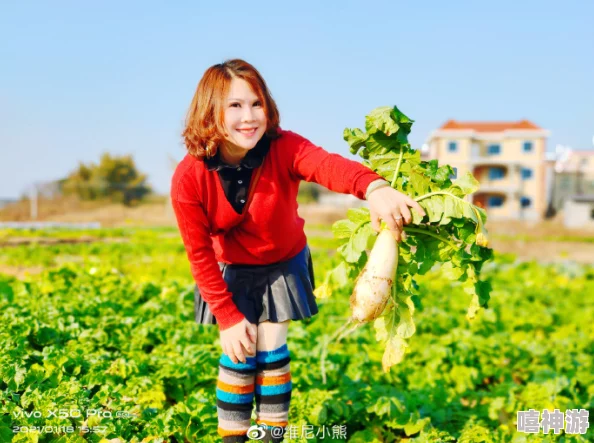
x=391 y=206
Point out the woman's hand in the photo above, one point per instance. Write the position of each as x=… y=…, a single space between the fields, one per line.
x=240 y=340
x=391 y=206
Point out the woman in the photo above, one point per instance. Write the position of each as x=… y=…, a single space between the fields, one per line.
x=235 y=200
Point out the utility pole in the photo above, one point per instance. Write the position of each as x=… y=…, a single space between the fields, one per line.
x=34 y=202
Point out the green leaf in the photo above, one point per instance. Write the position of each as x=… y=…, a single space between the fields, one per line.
x=412 y=158
x=386 y=406
x=365 y=436
x=452 y=208
x=434 y=207
x=6 y=292
x=380 y=119
x=355 y=138
x=380 y=143
x=6 y=433
x=343 y=228
x=363 y=235
x=406 y=328
x=467 y=183
x=381 y=332
x=385 y=164
x=420 y=183
x=416 y=426
x=480 y=253
x=394 y=352
x=339 y=276
x=318 y=415
x=483 y=290
x=438 y=174
x=350 y=252
x=426 y=266
x=358 y=215
x=404 y=122
x=467 y=233
x=451 y=272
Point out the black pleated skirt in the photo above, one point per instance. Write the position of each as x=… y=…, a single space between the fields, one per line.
x=276 y=292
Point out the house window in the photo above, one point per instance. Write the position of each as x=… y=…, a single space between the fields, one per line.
x=455 y=174
x=592 y=214
x=494 y=149
x=495 y=201
x=527 y=147
x=526 y=173
x=452 y=147
x=496 y=173
x=525 y=202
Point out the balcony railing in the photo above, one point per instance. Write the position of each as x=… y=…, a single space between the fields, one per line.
x=508 y=188
x=493 y=160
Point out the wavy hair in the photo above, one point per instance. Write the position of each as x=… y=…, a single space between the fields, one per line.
x=204 y=126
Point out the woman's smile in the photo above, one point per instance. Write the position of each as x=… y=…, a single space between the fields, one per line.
x=247 y=132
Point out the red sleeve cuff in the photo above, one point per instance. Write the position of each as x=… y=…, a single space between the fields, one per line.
x=364 y=182
x=228 y=317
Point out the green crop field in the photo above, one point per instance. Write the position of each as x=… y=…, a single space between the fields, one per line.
x=98 y=343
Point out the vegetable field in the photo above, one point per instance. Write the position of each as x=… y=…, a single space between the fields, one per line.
x=98 y=343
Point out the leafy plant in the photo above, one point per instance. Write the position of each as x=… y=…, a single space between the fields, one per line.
x=108 y=326
x=452 y=232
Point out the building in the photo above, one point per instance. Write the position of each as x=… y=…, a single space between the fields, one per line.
x=578 y=211
x=507 y=158
x=574 y=176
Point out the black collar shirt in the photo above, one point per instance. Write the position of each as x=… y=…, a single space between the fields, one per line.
x=235 y=179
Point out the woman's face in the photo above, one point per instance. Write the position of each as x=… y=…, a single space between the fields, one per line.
x=243 y=110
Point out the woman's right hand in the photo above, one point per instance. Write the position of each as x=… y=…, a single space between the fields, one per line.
x=239 y=340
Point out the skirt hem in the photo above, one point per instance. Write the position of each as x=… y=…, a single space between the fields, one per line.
x=277 y=293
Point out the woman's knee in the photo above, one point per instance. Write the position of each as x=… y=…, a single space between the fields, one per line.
x=272 y=336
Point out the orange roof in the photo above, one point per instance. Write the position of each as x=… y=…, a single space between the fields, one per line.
x=581 y=152
x=489 y=126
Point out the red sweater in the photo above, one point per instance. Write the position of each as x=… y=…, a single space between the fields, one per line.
x=270 y=229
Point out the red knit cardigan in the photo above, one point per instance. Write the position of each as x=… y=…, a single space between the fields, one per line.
x=269 y=229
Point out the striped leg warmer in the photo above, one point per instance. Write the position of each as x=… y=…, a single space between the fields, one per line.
x=273 y=391
x=235 y=396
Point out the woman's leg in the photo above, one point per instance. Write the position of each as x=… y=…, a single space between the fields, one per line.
x=235 y=398
x=273 y=378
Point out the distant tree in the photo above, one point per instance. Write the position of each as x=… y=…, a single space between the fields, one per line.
x=114 y=178
x=308 y=192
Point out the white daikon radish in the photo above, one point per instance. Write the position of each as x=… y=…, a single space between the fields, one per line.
x=373 y=286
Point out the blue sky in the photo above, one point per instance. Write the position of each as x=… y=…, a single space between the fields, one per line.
x=78 y=79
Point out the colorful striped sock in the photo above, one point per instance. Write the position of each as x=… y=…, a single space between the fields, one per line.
x=235 y=396
x=273 y=390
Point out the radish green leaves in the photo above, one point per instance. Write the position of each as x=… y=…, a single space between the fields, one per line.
x=452 y=233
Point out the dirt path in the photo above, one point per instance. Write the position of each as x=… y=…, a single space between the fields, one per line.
x=44 y=241
x=20 y=271
x=542 y=251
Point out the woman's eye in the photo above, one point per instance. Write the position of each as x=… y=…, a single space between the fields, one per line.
x=255 y=104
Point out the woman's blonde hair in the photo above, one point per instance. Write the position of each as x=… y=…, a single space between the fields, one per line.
x=204 y=127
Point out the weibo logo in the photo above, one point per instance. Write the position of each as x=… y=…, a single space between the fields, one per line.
x=256 y=432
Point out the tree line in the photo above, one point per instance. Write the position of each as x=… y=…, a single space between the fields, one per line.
x=117 y=178
x=114 y=178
